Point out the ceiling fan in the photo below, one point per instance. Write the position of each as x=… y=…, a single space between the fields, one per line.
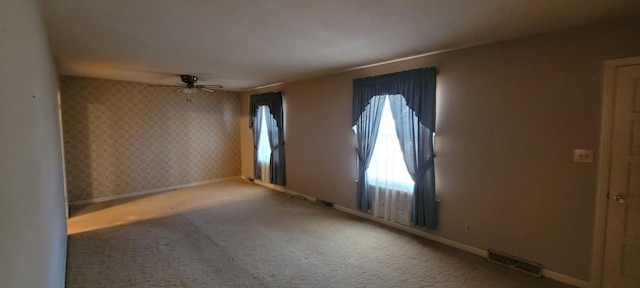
x=189 y=85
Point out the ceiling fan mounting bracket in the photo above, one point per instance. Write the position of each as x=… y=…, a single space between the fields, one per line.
x=189 y=80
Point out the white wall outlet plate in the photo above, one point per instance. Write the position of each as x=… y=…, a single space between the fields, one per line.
x=583 y=155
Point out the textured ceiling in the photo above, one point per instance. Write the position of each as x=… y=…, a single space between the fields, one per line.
x=243 y=44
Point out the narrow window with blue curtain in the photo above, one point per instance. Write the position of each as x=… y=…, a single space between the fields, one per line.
x=394 y=121
x=267 y=121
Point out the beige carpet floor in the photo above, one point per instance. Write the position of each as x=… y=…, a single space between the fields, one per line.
x=238 y=234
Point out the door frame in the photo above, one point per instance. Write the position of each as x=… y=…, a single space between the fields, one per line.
x=604 y=165
x=62 y=154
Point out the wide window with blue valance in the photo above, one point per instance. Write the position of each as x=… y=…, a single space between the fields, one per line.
x=266 y=112
x=410 y=96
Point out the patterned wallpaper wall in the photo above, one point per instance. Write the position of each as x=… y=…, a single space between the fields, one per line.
x=123 y=137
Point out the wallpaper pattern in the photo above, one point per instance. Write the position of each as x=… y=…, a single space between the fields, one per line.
x=123 y=137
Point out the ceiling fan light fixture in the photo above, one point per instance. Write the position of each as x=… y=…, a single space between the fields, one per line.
x=189 y=90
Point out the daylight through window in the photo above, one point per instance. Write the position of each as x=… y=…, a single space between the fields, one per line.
x=387 y=168
x=264 y=148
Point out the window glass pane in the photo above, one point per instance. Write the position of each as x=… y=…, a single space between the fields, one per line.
x=387 y=167
x=264 y=149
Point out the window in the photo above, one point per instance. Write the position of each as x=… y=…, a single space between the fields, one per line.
x=267 y=123
x=390 y=186
x=414 y=109
x=387 y=168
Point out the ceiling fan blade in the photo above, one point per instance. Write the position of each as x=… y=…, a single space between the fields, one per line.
x=206 y=89
x=188 y=85
x=164 y=85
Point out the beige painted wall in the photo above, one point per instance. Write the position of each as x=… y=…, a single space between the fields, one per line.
x=123 y=137
x=509 y=116
x=33 y=238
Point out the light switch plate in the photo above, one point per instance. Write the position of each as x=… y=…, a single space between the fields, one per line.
x=583 y=155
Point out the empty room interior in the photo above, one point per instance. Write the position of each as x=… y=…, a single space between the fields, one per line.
x=289 y=143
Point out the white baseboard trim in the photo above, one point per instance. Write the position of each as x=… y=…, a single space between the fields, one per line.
x=145 y=192
x=565 y=279
x=279 y=188
x=464 y=247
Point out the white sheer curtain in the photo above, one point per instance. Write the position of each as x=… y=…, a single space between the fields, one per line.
x=391 y=186
x=391 y=204
x=264 y=149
